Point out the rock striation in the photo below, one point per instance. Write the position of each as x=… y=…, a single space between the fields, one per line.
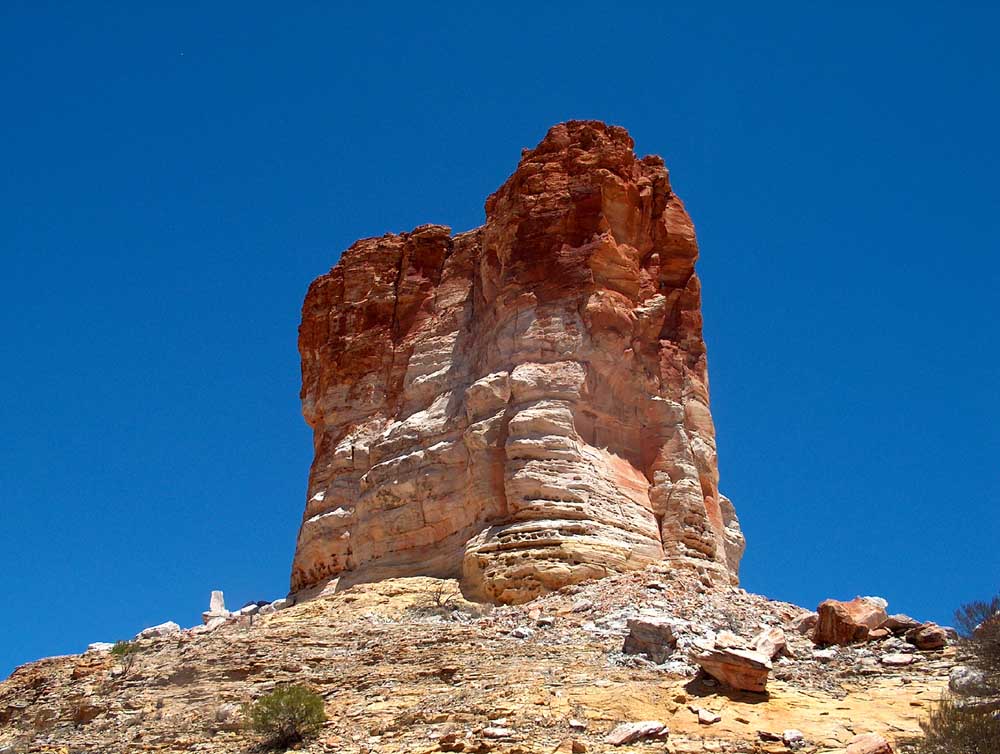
x=522 y=406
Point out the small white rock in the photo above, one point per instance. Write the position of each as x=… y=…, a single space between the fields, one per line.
x=897 y=660
x=794 y=739
x=159 y=631
x=707 y=718
x=498 y=733
x=824 y=655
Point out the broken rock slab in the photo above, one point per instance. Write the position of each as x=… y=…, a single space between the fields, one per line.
x=212 y=625
x=653 y=637
x=771 y=643
x=159 y=631
x=705 y=717
x=628 y=733
x=868 y=743
x=741 y=669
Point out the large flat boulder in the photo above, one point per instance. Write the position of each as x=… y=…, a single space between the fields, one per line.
x=742 y=669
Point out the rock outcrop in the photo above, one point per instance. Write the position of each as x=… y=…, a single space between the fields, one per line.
x=848 y=622
x=524 y=405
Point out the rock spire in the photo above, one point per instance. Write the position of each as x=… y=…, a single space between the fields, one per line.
x=524 y=405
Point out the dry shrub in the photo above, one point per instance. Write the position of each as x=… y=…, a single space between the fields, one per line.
x=979 y=624
x=956 y=728
x=970 y=725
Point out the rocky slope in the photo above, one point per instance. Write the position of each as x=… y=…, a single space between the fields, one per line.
x=522 y=406
x=408 y=665
x=516 y=415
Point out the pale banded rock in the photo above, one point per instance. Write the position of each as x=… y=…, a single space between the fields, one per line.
x=628 y=733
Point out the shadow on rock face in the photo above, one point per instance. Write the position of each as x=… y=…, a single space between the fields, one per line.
x=704 y=685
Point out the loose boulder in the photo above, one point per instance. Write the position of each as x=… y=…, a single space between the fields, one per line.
x=159 y=631
x=771 y=643
x=848 y=622
x=966 y=681
x=927 y=636
x=899 y=624
x=740 y=669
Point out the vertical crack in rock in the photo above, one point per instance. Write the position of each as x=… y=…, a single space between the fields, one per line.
x=524 y=405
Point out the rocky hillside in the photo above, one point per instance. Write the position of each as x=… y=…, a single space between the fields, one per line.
x=407 y=665
x=516 y=416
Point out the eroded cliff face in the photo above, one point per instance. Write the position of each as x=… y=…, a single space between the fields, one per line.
x=525 y=405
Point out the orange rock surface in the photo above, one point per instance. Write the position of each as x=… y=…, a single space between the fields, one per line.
x=522 y=406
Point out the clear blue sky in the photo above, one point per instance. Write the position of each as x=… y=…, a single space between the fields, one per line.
x=173 y=178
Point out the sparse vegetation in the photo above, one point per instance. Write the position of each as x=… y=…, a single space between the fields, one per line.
x=957 y=727
x=979 y=624
x=443 y=596
x=970 y=724
x=127 y=653
x=286 y=716
x=440 y=600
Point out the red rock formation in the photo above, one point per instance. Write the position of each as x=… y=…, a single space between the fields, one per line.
x=526 y=404
x=848 y=622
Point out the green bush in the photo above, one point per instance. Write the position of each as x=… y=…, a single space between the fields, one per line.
x=285 y=716
x=126 y=652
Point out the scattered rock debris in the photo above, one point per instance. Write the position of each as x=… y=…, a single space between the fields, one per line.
x=400 y=675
